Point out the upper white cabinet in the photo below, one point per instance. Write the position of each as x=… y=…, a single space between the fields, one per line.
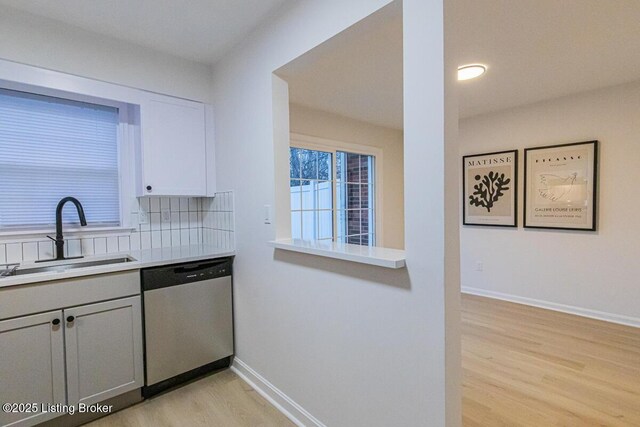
x=173 y=147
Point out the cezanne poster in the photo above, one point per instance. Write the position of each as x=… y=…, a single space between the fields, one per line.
x=490 y=183
x=560 y=186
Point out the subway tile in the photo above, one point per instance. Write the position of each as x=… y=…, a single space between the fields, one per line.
x=147 y=226
x=175 y=220
x=184 y=237
x=165 y=204
x=87 y=246
x=165 y=225
x=123 y=243
x=193 y=236
x=184 y=204
x=46 y=251
x=100 y=245
x=155 y=221
x=175 y=204
x=156 y=239
x=144 y=204
x=154 y=204
x=166 y=238
x=184 y=219
x=112 y=244
x=134 y=241
x=145 y=240
x=193 y=219
x=29 y=251
x=207 y=204
x=193 y=204
x=14 y=252
x=73 y=247
x=175 y=237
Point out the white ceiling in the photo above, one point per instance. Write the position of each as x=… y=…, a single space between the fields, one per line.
x=535 y=50
x=357 y=73
x=543 y=49
x=199 y=30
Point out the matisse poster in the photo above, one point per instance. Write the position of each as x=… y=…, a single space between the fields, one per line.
x=560 y=186
x=490 y=188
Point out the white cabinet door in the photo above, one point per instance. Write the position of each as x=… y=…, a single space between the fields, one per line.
x=31 y=366
x=173 y=147
x=104 y=350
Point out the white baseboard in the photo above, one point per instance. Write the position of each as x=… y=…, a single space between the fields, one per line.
x=277 y=398
x=578 y=311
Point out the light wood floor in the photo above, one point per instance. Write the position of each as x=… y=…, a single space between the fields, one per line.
x=524 y=366
x=219 y=400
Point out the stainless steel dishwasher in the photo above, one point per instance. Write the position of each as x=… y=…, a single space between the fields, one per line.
x=188 y=322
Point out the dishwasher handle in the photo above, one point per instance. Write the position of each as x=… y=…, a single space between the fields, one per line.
x=192 y=268
x=162 y=277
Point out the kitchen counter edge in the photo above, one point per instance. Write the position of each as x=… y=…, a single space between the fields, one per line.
x=143 y=259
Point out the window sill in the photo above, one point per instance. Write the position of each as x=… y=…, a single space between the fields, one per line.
x=381 y=257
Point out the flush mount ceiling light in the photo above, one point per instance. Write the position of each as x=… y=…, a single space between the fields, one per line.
x=471 y=71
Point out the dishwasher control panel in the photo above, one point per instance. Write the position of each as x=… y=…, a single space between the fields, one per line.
x=172 y=275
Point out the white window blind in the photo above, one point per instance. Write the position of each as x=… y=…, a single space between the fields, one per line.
x=51 y=148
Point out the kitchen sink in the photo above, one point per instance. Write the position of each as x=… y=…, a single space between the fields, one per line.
x=66 y=266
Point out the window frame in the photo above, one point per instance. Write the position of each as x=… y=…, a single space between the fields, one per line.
x=298 y=140
x=125 y=146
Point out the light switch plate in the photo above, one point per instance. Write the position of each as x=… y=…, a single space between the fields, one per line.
x=166 y=216
x=267 y=214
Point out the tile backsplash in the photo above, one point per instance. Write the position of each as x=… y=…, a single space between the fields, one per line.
x=175 y=221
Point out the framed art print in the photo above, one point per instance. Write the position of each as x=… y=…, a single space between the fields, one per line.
x=560 y=186
x=490 y=189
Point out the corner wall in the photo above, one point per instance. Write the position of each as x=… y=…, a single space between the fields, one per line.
x=321 y=124
x=350 y=344
x=594 y=274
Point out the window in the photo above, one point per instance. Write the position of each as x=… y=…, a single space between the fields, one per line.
x=332 y=196
x=51 y=148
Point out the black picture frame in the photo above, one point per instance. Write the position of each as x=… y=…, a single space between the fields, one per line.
x=487 y=222
x=562 y=157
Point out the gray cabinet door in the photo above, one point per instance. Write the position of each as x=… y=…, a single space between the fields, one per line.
x=31 y=366
x=104 y=350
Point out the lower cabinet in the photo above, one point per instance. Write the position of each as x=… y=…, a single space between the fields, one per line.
x=98 y=345
x=103 y=345
x=31 y=368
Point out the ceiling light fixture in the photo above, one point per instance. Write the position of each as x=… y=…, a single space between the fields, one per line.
x=471 y=71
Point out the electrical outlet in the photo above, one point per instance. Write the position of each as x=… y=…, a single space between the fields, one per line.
x=166 y=216
x=479 y=266
x=143 y=217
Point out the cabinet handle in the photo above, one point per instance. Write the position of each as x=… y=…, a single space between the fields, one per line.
x=149 y=188
x=70 y=319
x=55 y=322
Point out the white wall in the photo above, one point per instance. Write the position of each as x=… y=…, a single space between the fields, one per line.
x=354 y=345
x=321 y=124
x=588 y=271
x=45 y=43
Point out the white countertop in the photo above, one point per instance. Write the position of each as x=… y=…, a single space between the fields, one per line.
x=372 y=255
x=143 y=259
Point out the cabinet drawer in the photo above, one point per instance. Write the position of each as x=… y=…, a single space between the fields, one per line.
x=45 y=296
